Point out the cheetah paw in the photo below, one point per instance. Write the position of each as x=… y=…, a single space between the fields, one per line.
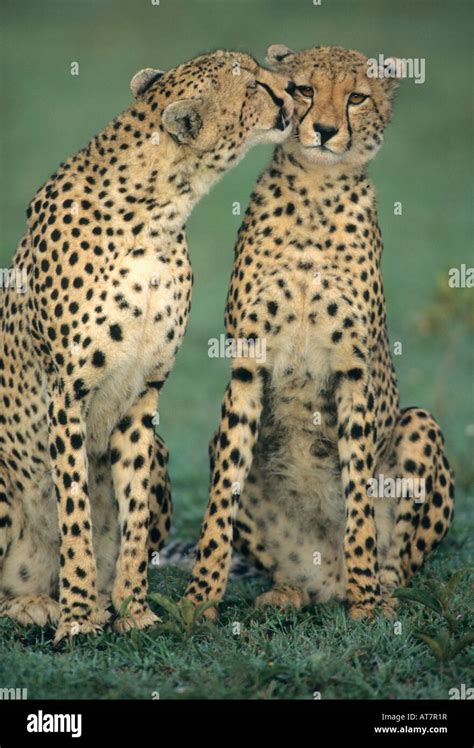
x=38 y=610
x=388 y=606
x=71 y=629
x=210 y=614
x=281 y=597
x=362 y=612
x=141 y=619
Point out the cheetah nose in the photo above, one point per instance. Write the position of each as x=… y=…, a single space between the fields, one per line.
x=325 y=132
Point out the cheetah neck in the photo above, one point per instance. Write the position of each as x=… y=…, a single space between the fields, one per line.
x=143 y=171
x=318 y=178
x=324 y=209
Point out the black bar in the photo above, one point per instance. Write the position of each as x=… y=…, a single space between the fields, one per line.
x=370 y=721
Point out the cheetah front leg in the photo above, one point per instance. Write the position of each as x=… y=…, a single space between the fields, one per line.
x=356 y=446
x=79 y=611
x=236 y=437
x=132 y=446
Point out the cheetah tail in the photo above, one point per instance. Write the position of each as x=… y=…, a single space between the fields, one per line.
x=182 y=554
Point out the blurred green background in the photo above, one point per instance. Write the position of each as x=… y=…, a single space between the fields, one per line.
x=426 y=163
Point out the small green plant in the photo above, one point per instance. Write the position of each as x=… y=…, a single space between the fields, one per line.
x=183 y=615
x=437 y=596
x=449 y=306
x=122 y=612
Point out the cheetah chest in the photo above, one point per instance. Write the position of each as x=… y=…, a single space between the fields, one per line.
x=145 y=315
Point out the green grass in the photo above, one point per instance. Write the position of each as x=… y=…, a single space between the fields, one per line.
x=47 y=115
x=274 y=656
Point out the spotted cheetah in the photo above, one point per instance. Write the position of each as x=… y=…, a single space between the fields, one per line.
x=305 y=435
x=87 y=349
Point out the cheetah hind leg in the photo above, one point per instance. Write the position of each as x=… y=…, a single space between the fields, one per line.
x=27 y=609
x=421 y=524
x=30 y=610
x=6 y=515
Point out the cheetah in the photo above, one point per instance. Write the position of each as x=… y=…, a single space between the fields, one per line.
x=85 y=352
x=306 y=434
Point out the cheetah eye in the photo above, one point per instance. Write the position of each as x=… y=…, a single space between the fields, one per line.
x=252 y=84
x=306 y=91
x=357 y=98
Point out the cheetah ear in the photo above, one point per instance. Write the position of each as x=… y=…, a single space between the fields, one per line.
x=279 y=53
x=142 y=80
x=183 y=119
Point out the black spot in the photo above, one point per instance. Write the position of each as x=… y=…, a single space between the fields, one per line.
x=272 y=307
x=76 y=441
x=410 y=466
x=98 y=359
x=356 y=431
x=124 y=424
x=242 y=375
x=138 y=462
x=354 y=374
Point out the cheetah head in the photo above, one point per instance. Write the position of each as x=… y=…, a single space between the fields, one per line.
x=340 y=110
x=219 y=104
